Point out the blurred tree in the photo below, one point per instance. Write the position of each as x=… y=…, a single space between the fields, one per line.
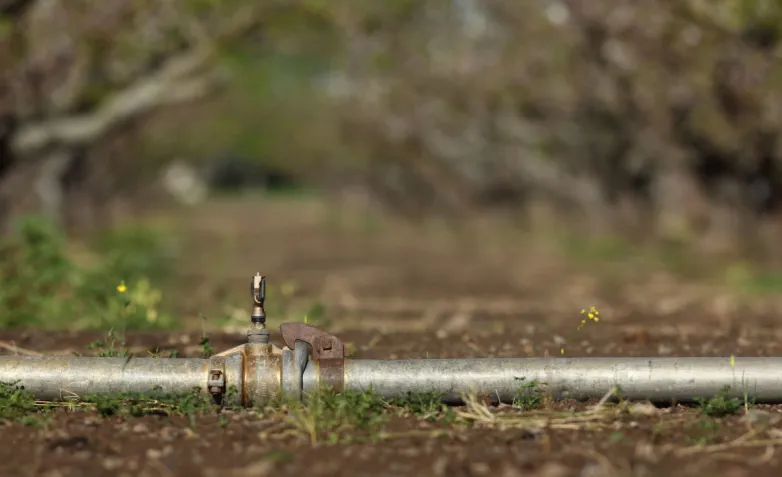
x=76 y=77
x=661 y=117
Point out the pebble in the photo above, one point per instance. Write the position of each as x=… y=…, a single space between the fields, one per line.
x=113 y=463
x=440 y=467
x=140 y=428
x=510 y=471
x=480 y=468
x=553 y=469
x=159 y=453
x=643 y=409
x=410 y=452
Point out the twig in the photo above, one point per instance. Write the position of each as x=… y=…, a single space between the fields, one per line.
x=738 y=443
x=11 y=346
x=604 y=399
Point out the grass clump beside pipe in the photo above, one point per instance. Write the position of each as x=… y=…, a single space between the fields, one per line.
x=189 y=405
x=328 y=417
x=528 y=396
x=720 y=405
x=19 y=405
x=44 y=284
x=333 y=418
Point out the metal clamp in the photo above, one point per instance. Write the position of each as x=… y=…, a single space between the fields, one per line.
x=215 y=383
x=327 y=350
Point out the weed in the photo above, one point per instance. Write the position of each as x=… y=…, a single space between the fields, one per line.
x=704 y=431
x=616 y=437
x=111 y=346
x=592 y=314
x=719 y=405
x=189 y=405
x=528 y=395
x=427 y=406
x=316 y=315
x=135 y=253
x=158 y=353
x=41 y=285
x=326 y=415
x=278 y=456
x=18 y=405
x=206 y=346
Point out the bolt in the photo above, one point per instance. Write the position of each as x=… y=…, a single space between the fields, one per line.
x=215 y=376
x=326 y=344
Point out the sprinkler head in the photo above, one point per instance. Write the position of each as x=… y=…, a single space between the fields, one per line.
x=258 y=332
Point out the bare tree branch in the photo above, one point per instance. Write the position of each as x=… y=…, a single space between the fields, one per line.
x=178 y=81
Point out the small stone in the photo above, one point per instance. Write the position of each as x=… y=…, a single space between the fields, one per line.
x=168 y=433
x=140 y=428
x=159 y=453
x=254 y=470
x=643 y=409
x=553 y=469
x=154 y=454
x=410 y=452
x=113 y=463
x=480 y=468
x=592 y=470
x=440 y=467
x=644 y=451
x=510 y=471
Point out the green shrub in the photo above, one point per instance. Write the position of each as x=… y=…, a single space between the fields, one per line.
x=41 y=286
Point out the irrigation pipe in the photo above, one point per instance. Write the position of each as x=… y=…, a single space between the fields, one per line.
x=311 y=359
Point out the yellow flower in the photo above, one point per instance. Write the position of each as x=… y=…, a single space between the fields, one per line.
x=122 y=288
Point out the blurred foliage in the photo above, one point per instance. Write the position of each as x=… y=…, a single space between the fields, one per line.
x=42 y=286
x=658 y=118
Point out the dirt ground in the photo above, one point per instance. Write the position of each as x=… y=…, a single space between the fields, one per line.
x=397 y=291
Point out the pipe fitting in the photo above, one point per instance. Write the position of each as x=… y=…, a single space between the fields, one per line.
x=262 y=377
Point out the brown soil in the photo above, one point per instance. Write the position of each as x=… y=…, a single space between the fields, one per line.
x=394 y=291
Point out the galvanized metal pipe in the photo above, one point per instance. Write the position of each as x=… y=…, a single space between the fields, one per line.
x=656 y=379
x=502 y=379
x=57 y=378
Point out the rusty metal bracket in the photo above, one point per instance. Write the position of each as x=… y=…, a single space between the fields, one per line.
x=216 y=381
x=327 y=351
